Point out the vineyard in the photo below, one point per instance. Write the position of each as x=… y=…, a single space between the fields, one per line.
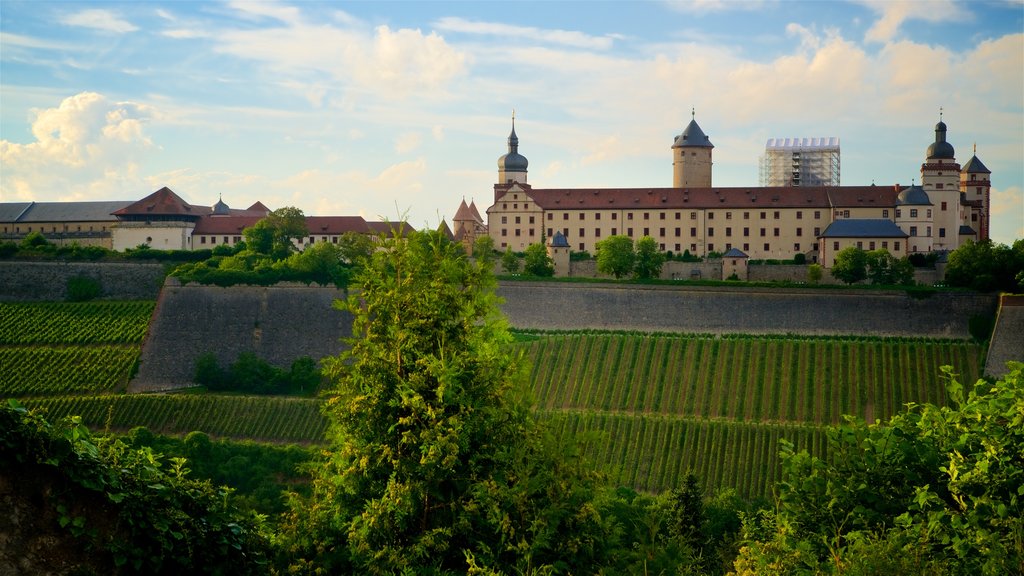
x=272 y=419
x=651 y=407
x=52 y=348
x=77 y=323
x=758 y=379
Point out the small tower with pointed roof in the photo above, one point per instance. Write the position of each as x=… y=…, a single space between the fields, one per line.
x=940 y=178
x=512 y=167
x=975 y=185
x=558 y=251
x=468 y=225
x=691 y=157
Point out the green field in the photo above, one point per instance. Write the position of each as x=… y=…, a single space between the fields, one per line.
x=649 y=407
x=55 y=348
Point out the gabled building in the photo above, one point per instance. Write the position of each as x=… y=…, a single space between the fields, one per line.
x=764 y=222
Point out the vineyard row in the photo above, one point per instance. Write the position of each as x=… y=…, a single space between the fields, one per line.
x=78 y=323
x=784 y=380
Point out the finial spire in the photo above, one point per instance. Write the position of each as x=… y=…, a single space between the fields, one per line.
x=693 y=113
x=975 y=148
x=940 y=113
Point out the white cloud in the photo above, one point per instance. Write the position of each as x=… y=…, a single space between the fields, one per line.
x=97 y=19
x=892 y=15
x=562 y=37
x=438 y=133
x=408 y=142
x=87 y=146
x=707 y=6
x=258 y=10
x=8 y=40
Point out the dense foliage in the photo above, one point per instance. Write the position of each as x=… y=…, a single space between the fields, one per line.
x=251 y=375
x=126 y=510
x=648 y=259
x=853 y=265
x=435 y=462
x=615 y=256
x=985 y=266
x=257 y=473
x=536 y=261
x=934 y=490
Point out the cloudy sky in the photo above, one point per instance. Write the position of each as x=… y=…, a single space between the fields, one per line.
x=390 y=108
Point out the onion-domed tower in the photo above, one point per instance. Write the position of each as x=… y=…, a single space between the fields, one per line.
x=691 y=157
x=940 y=178
x=512 y=166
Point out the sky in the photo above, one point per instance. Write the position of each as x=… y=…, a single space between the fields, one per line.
x=396 y=110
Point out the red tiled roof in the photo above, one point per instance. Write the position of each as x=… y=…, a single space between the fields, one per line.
x=707 y=198
x=474 y=211
x=258 y=207
x=163 y=202
x=336 y=224
x=463 y=213
x=225 y=224
x=387 y=228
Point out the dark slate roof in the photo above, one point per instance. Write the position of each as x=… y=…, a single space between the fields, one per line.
x=220 y=207
x=965 y=229
x=863 y=228
x=692 y=136
x=559 y=241
x=940 y=148
x=913 y=196
x=974 y=166
x=60 y=211
x=734 y=253
x=513 y=161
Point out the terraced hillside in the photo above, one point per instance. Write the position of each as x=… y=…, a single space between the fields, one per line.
x=649 y=407
x=56 y=348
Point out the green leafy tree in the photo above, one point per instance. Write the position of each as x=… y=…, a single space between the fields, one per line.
x=935 y=490
x=615 y=256
x=985 y=266
x=355 y=248
x=814 y=273
x=648 y=259
x=536 y=262
x=274 y=235
x=509 y=261
x=483 y=248
x=884 y=268
x=850 y=265
x=435 y=463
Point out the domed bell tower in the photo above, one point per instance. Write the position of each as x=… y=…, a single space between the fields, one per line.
x=512 y=166
x=940 y=178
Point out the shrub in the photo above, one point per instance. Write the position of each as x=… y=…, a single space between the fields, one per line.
x=82 y=289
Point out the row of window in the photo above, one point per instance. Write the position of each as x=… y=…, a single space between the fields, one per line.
x=678 y=215
x=53 y=229
x=871 y=245
x=661 y=232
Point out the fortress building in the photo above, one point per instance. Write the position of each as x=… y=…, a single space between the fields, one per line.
x=948 y=207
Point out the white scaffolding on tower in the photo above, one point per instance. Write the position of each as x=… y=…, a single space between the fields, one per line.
x=800 y=162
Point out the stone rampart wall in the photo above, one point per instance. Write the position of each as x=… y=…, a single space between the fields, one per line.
x=1008 y=336
x=279 y=323
x=724 y=310
x=21 y=281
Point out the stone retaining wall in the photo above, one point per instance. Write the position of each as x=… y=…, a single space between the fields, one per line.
x=279 y=323
x=1008 y=336
x=21 y=281
x=723 y=310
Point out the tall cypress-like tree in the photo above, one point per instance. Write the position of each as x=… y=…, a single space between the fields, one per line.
x=435 y=459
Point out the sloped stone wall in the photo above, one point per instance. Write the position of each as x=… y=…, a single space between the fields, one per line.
x=24 y=281
x=724 y=310
x=279 y=323
x=1008 y=336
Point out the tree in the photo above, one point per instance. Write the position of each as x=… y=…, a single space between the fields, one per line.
x=615 y=256
x=935 y=490
x=274 y=234
x=434 y=459
x=537 y=262
x=355 y=248
x=483 y=248
x=883 y=268
x=850 y=265
x=509 y=261
x=814 y=272
x=648 y=259
x=985 y=266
